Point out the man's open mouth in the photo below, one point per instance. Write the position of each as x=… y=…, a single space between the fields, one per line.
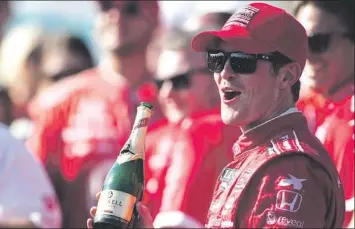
x=229 y=94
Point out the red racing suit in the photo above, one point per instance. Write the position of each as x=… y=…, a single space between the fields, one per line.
x=337 y=135
x=185 y=161
x=80 y=125
x=281 y=177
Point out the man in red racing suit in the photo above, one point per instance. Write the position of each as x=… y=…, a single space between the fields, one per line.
x=269 y=184
x=281 y=176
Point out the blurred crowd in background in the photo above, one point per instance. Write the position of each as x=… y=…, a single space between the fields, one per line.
x=70 y=83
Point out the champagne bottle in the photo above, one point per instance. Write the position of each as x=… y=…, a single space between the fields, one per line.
x=124 y=183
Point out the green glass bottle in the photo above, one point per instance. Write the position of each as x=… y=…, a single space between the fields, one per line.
x=124 y=183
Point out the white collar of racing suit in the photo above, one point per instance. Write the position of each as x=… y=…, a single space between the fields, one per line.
x=289 y=111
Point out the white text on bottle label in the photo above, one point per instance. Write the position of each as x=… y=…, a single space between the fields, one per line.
x=116 y=203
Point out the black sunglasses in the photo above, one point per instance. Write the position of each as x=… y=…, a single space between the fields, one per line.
x=240 y=62
x=180 y=81
x=320 y=42
x=129 y=8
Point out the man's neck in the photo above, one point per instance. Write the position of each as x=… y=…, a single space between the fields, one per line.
x=131 y=70
x=282 y=106
x=276 y=115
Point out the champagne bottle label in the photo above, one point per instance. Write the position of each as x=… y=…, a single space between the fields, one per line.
x=134 y=147
x=116 y=203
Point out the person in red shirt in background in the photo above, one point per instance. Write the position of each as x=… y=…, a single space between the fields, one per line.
x=82 y=122
x=186 y=154
x=328 y=83
x=337 y=135
x=328 y=77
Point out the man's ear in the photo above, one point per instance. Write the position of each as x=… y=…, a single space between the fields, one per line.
x=289 y=75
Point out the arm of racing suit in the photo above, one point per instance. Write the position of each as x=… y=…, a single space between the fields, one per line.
x=292 y=191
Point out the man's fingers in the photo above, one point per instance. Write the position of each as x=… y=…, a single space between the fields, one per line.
x=89 y=223
x=145 y=217
x=146 y=220
x=98 y=195
x=143 y=211
x=93 y=211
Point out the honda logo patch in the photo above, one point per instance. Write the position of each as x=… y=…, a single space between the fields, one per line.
x=288 y=201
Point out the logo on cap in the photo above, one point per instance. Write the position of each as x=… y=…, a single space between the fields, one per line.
x=242 y=17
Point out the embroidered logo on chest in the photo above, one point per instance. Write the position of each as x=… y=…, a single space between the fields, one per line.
x=228 y=174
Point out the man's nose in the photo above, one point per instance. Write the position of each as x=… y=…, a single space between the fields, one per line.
x=167 y=90
x=227 y=71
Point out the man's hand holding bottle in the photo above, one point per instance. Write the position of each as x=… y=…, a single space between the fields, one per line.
x=145 y=220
